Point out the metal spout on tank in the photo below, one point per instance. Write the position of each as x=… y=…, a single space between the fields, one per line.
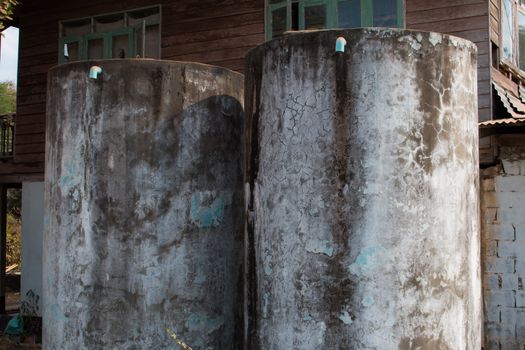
x=340 y=44
x=94 y=72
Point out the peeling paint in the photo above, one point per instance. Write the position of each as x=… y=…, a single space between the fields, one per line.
x=266 y=301
x=435 y=38
x=207 y=209
x=367 y=259
x=203 y=323
x=267 y=269
x=367 y=301
x=413 y=42
x=319 y=247
x=56 y=313
x=345 y=317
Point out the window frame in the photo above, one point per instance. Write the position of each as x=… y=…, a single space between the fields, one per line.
x=107 y=36
x=332 y=17
x=514 y=62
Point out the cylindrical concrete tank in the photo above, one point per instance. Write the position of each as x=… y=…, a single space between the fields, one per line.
x=144 y=229
x=363 y=167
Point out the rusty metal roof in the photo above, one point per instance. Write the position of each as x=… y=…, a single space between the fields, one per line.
x=502 y=122
x=514 y=106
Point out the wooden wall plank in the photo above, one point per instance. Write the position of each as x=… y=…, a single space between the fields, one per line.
x=421 y=5
x=467 y=19
x=219 y=32
x=494 y=19
x=449 y=13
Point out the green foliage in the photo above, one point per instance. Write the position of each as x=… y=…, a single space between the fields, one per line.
x=6 y=11
x=7 y=97
x=14 y=243
x=14 y=202
x=14 y=227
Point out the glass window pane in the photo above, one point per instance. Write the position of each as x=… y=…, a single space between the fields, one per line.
x=506 y=29
x=349 y=14
x=95 y=48
x=109 y=23
x=119 y=46
x=521 y=26
x=295 y=16
x=75 y=28
x=278 y=22
x=71 y=52
x=150 y=15
x=385 y=13
x=315 y=17
x=152 y=42
x=138 y=38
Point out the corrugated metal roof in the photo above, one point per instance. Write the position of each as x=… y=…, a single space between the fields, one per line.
x=502 y=122
x=512 y=104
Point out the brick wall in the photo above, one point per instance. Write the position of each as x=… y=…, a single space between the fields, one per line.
x=503 y=250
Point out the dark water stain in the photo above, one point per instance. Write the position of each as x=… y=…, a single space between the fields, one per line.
x=252 y=100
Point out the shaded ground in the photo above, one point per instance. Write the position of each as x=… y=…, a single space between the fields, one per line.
x=12 y=293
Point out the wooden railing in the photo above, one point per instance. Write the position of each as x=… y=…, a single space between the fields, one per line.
x=7 y=135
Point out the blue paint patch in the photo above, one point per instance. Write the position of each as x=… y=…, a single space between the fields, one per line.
x=200 y=277
x=307 y=317
x=56 y=313
x=266 y=298
x=206 y=211
x=366 y=260
x=47 y=221
x=203 y=324
x=367 y=301
x=267 y=269
x=345 y=317
x=318 y=246
x=70 y=177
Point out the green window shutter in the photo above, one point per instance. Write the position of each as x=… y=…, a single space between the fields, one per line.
x=367 y=16
x=75 y=49
x=278 y=18
x=521 y=39
x=400 y=13
x=123 y=39
x=348 y=13
x=317 y=14
x=90 y=48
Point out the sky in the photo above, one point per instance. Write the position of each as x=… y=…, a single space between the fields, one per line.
x=9 y=55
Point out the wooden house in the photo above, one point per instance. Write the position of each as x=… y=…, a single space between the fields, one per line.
x=221 y=32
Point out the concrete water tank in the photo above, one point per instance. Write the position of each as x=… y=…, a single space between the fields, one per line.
x=363 y=172
x=143 y=230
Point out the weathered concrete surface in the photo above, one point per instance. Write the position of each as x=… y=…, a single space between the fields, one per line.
x=144 y=192
x=364 y=192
